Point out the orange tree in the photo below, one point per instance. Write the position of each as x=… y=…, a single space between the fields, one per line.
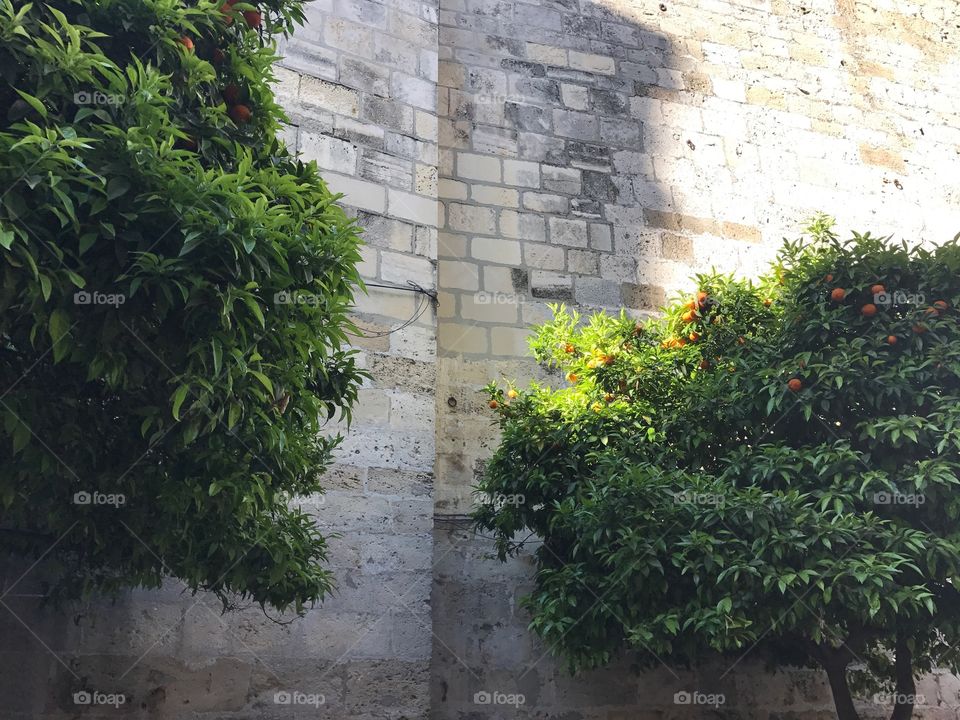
x=173 y=303
x=767 y=468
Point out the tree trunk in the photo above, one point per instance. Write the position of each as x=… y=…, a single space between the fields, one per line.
x=836 y=667
x=903 y=670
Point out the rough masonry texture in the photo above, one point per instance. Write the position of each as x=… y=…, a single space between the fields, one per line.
x=511 y=154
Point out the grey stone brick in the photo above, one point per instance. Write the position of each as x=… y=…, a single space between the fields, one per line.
x=530 y=118
x=572 y=124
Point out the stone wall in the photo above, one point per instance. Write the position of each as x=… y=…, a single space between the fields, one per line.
x=511 y=154
x=598 y=153
x=359 y=86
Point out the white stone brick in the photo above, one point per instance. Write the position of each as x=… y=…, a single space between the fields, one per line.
x=397 y=268
x=472 y=219
x=329 y=96
x=568 y=232
x=493 y=195
x=358 y=193
x=478 y=167
x=416 y=208
x=592 y=63
x=330 y=153
x=521 y=173
x=506 y=252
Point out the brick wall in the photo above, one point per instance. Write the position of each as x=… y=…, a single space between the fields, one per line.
x=511 y=154
x=598 y=153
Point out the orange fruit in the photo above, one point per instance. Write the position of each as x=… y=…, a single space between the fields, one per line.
x=704 y=364
x=231 y=93
x=767 y=302
x=877 y=289
x=919 y=329
x=240 y=114
x=828 y=277
x=702 y=298
x=795 y=385
x=608 y=397
x=680 y=342
x=868 y=310
x=607 y=359
x=694 y=336
x=932 y=312
x=493 y=404
x=571 y=377
x=225 y=9
x=253 y=17
x=511 y=393
x=187 y=43
x=838 y=294
x=941 y=305
x=689 y=316
x=597 y=407
x=891 y=339
x=568 y=348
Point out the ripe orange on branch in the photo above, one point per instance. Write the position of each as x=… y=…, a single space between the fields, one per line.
x=795 y=384
x=868 y=310
x=838 y=294
x=240 y=114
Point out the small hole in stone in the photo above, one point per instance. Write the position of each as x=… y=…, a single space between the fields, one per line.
x=663 y=8
x=452 y=401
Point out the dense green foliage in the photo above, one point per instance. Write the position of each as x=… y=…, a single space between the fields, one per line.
x=152 y=232
x=770 y=467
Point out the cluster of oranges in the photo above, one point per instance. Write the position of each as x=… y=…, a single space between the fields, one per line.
x=869 y=309
x=232 y=93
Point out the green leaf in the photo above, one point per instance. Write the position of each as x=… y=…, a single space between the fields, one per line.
x=178 y=397
x=33 y=102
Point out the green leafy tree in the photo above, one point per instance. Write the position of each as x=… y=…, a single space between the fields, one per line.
x=768 y=468
x=173 y=304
